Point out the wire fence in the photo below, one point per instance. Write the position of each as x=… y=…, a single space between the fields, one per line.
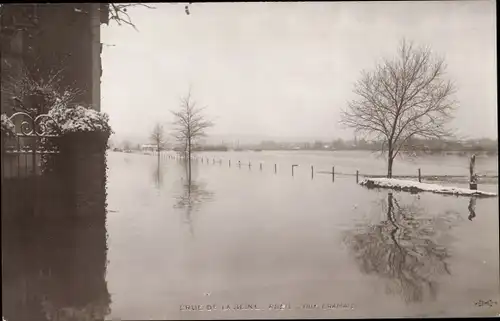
x=486 y=177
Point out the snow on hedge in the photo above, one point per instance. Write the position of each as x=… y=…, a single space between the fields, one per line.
x=80 y=119
x=8 y=128
x=412 y=186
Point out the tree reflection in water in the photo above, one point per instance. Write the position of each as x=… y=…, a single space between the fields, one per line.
x=55 y=270
x=158 y=175
x=193 y=195
x=472 y=208
x=402 y=250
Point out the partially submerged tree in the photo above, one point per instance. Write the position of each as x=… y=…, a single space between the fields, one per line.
x=190 y=124
x=400 y=99
x=158 y=138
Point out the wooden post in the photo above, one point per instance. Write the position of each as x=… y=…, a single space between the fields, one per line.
x=249 y=165
x=275 y=169
x=473 y=176
x=312 y=172
x=260 y=166
x=293 y=168
x=213 y=160
x=229 y=163
x=239 y=163
x=419 y=176
x=202 y=160
x=333 y=173
x=357 y=176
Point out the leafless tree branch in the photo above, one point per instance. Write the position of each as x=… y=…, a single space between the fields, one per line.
x=403 y=98
x=36 y=94
x=190 y=124
x=158 y=137
x=118 y=12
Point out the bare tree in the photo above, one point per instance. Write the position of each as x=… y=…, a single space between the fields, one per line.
x=400 y=99
x=190 y=124
x=158 y=138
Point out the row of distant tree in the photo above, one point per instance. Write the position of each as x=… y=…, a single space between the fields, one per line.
x=416 y=145
x=422 y=145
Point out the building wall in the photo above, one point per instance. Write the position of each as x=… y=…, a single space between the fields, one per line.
x=58 y=41
x=65 y=42
x=62 y=45
x=95 y=27
x=11 y=66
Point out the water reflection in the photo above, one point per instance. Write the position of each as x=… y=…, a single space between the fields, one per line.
x=158 y=175
x=55 y=270
x=402 y=249
x=193 y=195
x=472 y=208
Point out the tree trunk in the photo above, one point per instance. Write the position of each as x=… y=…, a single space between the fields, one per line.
x=390 y=160
x=189 y=159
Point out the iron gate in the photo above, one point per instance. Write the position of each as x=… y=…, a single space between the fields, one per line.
x=26 y=188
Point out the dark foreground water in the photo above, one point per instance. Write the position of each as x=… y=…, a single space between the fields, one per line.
x=246 y=243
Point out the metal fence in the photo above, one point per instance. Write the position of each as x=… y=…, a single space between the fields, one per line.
x=23 y=185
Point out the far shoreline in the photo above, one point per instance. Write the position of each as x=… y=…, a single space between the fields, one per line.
x=444 y=152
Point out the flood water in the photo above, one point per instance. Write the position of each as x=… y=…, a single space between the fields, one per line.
x=243 y=241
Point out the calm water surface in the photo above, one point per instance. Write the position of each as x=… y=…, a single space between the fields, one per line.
x=248 y=238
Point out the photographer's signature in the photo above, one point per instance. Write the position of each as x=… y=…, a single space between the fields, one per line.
x=488 y=303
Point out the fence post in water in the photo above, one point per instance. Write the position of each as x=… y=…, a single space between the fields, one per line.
x=293 y=166
x=202 y=160
x=419 y=176
x=249 y=165
x=275 y=169
x=357 y=176
x=473 y=175
x=260 y=166
x=312 y=172
x=333 y=173
x=239 y=163
x=229 y=163
x=213 y=160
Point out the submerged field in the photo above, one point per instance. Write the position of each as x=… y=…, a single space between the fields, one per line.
x=245 y=241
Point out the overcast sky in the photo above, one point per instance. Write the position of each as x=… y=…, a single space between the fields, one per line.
x=286 y=69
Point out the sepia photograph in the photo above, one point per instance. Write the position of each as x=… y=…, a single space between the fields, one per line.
x=249 y=160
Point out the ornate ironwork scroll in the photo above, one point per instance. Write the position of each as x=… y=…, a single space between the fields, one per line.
x=38 y=126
